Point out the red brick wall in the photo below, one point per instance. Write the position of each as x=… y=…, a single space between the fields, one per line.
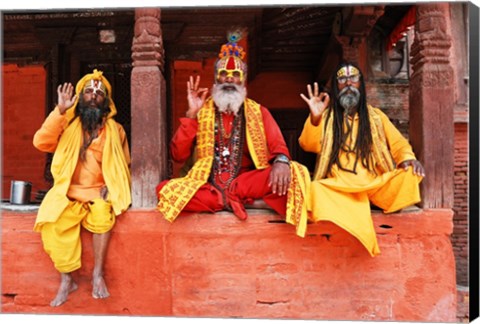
x=460 y=220
x=24 y=92
x=213 y=265
x=393 y=100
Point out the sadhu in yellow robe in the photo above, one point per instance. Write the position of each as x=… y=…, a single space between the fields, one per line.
x=344 y=197
x=75 y=199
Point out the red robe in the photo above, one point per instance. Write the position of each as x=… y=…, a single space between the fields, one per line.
x=250 y=183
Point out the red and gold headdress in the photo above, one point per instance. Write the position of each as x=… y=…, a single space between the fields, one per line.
x=231 y=57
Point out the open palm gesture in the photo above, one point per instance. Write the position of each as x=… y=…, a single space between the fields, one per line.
x=66 y=99
x=196 y=97
x=316 y=101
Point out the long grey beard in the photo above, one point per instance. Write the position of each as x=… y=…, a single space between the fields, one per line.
x=229 y=100
x=349 y=100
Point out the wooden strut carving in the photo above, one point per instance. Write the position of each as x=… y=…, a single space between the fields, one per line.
x=359 y=20
x=147 y=47
x=357 y=23
x=349 y=47
x=430 y=54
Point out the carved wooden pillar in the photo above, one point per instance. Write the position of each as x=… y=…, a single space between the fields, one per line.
x=432 y=104
x=148 y=107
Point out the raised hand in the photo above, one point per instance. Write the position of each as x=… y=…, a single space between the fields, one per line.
x=196 y=97
x=316 y=101
x=66 y=99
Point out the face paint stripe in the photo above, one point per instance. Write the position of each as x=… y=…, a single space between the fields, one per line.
x=96 y=85
x=347 y=71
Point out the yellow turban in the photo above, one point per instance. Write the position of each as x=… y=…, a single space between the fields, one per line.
x=96 y=75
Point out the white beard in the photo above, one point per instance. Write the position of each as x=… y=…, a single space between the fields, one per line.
x=231 y=100
x=349 y=100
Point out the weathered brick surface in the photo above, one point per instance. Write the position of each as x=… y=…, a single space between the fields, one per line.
x=392 y=98
x=460 y=220
x=206 y=265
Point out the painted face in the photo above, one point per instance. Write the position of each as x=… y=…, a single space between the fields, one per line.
x=95 y=87
x=348 y=73
x=94 y=93
x=230 y=68
x=224 y=73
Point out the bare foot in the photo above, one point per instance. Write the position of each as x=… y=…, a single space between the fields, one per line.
x=67 y=285
x=99 y=288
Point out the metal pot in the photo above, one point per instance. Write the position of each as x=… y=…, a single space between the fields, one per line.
x=20 y=192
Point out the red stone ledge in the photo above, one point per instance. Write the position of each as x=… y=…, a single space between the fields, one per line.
x=213 y=265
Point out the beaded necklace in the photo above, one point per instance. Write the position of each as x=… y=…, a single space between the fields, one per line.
x=228 y=151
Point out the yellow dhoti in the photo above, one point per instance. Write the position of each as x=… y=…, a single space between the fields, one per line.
x=347 y=202
x=343 y=197
x=61 y=239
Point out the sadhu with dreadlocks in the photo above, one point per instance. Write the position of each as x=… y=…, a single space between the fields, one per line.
x=361 y=158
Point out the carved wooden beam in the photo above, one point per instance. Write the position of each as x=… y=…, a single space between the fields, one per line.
x=352 y=26
x=359 y=20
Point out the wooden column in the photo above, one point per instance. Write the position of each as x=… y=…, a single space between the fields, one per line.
x=432 y=104
x=148 y=108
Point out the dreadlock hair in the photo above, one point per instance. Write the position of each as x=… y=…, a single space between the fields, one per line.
x=363 y=142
